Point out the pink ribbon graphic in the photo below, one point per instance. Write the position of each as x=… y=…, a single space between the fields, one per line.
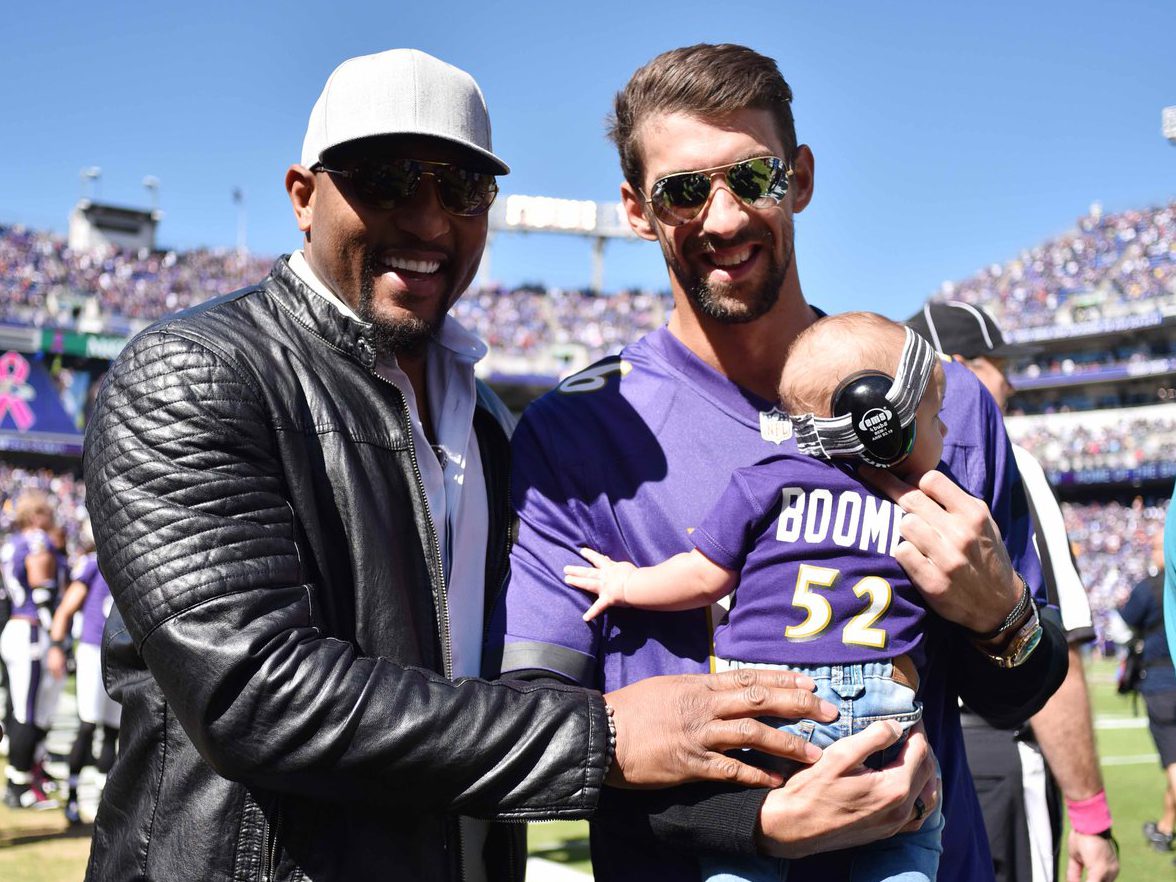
x=15 y=392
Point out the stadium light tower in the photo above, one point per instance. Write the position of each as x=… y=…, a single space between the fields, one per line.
x=151 y=183
x=598 y=264
x=90 y=178
x=239 y=201
x=1169 y=124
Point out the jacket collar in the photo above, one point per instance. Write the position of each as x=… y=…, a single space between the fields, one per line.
x=350 y=333
x=322 y=318
x=301 y=268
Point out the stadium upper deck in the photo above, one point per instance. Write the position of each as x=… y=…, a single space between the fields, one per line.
x=1113 y=272
x=1098 y=304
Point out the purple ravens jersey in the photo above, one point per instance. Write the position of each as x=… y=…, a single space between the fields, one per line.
x=818 y=582
x=627 y=457
x=96 y=606
x=13 y=557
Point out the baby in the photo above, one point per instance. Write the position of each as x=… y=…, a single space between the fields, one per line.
x=807 y=552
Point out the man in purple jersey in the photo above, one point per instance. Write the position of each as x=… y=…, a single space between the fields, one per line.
x=804 y=554
x=627 y=456
x=29 y=565
x=89 y=594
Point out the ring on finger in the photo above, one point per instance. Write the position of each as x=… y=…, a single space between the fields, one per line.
x=920 y=808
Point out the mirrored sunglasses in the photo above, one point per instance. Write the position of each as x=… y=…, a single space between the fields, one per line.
x=760 y=183
x=389 y=183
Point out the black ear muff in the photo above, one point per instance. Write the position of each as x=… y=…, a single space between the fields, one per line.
x=877 y=426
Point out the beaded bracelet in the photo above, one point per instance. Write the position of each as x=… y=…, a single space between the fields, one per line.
x=1017 y=612
x=612 y=736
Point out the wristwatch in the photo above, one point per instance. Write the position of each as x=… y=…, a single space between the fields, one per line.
x=1022 y=644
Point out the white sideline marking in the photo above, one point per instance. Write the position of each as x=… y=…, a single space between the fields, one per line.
x=1137 y=760
x=1120 y=722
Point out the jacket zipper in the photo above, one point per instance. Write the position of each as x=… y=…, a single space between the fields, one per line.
x=441 y=602
x=269 y=843
x=442 y=607
x=441 y=598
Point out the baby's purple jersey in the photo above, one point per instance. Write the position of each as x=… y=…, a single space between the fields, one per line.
x=627 y=457
x=96 y=606
x=818 y=582
x=13 y=557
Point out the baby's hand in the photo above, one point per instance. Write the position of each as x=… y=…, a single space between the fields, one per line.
x=606 y=579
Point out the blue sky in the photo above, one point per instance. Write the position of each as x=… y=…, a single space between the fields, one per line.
x=947 y=135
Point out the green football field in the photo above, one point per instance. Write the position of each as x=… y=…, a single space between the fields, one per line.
x=1131 y=770
x=38 y=847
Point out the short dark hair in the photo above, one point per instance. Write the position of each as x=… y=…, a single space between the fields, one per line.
x=704 y=80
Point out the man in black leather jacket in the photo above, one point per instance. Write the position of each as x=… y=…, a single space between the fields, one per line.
x=298 y=492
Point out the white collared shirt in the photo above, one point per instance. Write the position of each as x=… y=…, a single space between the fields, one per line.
x=455 y=485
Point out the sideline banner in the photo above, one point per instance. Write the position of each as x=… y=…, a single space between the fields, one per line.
x=32 y=416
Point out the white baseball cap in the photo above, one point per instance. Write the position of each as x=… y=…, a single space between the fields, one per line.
x=400 y=92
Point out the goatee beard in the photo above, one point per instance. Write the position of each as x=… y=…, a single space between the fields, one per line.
x=715 y=305
x=718 y=304
x=407 y=335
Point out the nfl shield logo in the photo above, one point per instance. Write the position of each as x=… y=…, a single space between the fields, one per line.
x=775 y=427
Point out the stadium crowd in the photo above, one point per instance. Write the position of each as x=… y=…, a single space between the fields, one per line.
x=66 y=491
x=45 y=283
x=1121 y=445
x=1110 y=542
x=1109 y=266
x=1078 y=363
x=1104 y=396
x=1116 y=262
x=527 y=322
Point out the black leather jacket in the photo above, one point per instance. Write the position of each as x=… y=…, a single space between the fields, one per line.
x=282 y=643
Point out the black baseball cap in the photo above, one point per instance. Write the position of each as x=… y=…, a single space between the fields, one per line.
x=958 y=328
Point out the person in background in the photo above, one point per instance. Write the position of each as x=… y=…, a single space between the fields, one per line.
x=1170 y=574
x=1144 y=613
x=5 y=614
x=1019 y=771
x=89 y=594
x=29 y=566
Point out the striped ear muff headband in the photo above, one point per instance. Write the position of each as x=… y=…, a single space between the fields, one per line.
x=873 y=413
